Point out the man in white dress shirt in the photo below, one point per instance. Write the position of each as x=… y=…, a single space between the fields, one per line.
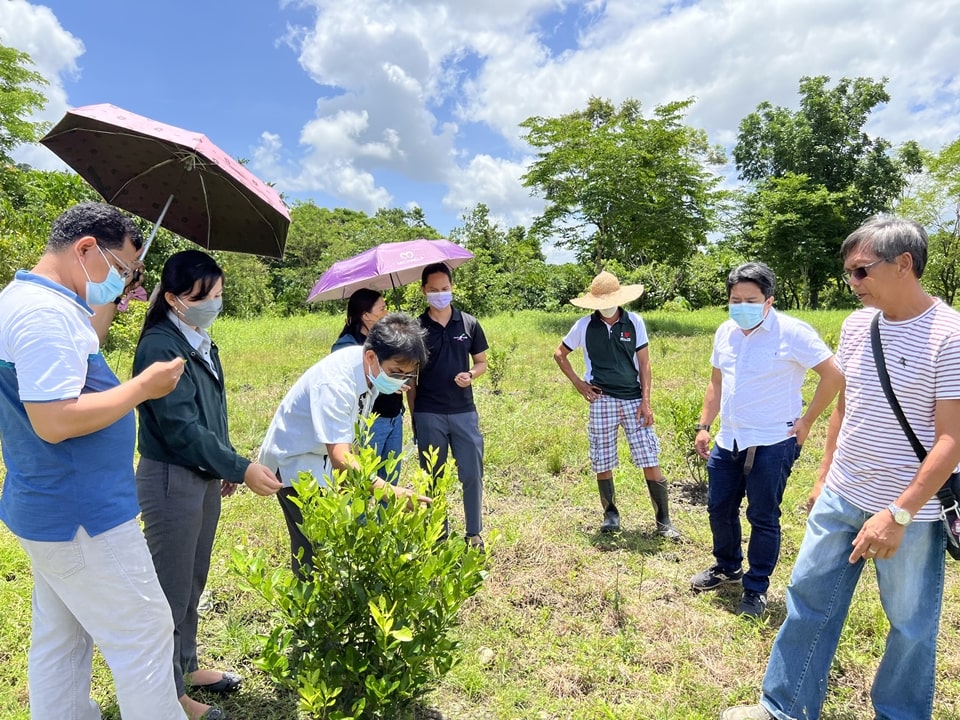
x=760 y=359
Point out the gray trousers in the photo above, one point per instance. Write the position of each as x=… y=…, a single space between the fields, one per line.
x=180 y=511
x=460 y=432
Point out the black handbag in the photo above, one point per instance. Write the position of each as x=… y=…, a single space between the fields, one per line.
x=949 y=494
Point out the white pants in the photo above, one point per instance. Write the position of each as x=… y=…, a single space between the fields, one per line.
x=101 y=590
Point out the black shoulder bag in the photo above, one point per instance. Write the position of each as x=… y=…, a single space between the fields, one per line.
x=949 y=494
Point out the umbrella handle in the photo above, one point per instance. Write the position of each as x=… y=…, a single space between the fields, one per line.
x=149 y=242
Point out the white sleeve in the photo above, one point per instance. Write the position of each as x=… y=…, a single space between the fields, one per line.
x=641 y=329
x=575 y=338
x=51 y=355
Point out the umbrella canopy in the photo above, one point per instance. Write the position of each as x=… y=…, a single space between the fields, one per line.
x=386 y=266
x=176 y=178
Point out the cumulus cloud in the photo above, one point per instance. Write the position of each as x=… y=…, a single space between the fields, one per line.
x=424 y=73
x=496 y=183
x=35 y=30
x=419 y=101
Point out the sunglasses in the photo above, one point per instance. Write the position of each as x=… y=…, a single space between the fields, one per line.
x=404 y=376
x=860 y=273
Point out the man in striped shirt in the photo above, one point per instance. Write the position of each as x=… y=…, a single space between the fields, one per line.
x=874 y=500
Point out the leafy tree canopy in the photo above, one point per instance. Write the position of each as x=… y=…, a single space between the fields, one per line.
x=816 y=176
x=935 y=204
x=825 y=141
x=19 y=98
x=622 y=186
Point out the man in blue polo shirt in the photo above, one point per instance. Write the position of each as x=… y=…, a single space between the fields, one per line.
x=617 y=384
x=67 y=434
x=444 y=414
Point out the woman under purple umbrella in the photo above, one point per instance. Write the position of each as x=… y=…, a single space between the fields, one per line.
x=364 y=308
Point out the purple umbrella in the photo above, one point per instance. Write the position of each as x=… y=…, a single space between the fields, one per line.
x=174 y=177
x=385 y=267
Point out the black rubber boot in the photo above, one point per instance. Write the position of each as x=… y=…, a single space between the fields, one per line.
x=661 y=508
x=611 y=516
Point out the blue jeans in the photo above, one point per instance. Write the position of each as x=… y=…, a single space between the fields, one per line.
x=763 y=488
x=386 y=437
x=818 y=600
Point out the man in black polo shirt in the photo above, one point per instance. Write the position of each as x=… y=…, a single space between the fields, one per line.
x=444 y=414
x=617 y=386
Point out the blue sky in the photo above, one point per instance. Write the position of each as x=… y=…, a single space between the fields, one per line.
x=367 y=103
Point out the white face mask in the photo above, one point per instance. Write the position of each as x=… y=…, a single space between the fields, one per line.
x=439 y=300
x=609 y=312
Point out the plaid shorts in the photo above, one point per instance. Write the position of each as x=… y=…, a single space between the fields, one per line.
x=606 y=415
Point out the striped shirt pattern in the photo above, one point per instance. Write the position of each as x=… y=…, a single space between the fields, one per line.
x=874 y=462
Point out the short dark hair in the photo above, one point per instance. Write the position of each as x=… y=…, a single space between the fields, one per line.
x=398 y=336
x=104 y=222
x=889 y=237
x=181 y=272
x=432 y=268
x=757 y=273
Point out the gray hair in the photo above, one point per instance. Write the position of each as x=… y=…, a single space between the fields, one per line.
x=755 y=272
x=889 y=237
x=398 y=336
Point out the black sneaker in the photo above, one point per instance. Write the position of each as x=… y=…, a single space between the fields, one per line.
x=713 y=578
x=752 y=604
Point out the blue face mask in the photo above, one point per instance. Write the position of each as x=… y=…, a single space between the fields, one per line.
x=384 y=384
x=746 y=315
x=101 y=293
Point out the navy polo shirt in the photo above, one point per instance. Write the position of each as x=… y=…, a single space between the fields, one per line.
x=450 y=348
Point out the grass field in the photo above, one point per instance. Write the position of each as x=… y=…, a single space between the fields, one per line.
x=569 y=624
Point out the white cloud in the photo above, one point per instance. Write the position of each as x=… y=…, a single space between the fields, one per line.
x=401 y=67
x=496 y=183
x=419 y=98
x=35 y=30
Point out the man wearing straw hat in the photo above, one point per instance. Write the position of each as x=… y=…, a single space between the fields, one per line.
x=617 y=386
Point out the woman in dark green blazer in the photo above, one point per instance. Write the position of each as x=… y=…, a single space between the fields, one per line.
x=186 y=460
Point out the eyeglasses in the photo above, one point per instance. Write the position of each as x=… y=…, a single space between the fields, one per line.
x=127 y=271
x=860 y=273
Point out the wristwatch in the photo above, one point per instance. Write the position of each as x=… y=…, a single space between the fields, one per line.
x=900 y=516
x=702 y=426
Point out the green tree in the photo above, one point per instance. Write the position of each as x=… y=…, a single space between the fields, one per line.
x=23 y=201
x=319 y=237
x=796 y=226
x=621 y=186
x=26 y=216
x=479 y=281
x=816 y=176
x=19 y=99
x=369 y=629
x=508 y=271
x=936 y=205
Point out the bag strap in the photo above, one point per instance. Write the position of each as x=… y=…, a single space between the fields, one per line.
x=881 y=363
x=877 y=346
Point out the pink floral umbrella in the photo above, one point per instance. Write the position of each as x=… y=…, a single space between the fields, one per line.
x=385 y=267
x=174 y=177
